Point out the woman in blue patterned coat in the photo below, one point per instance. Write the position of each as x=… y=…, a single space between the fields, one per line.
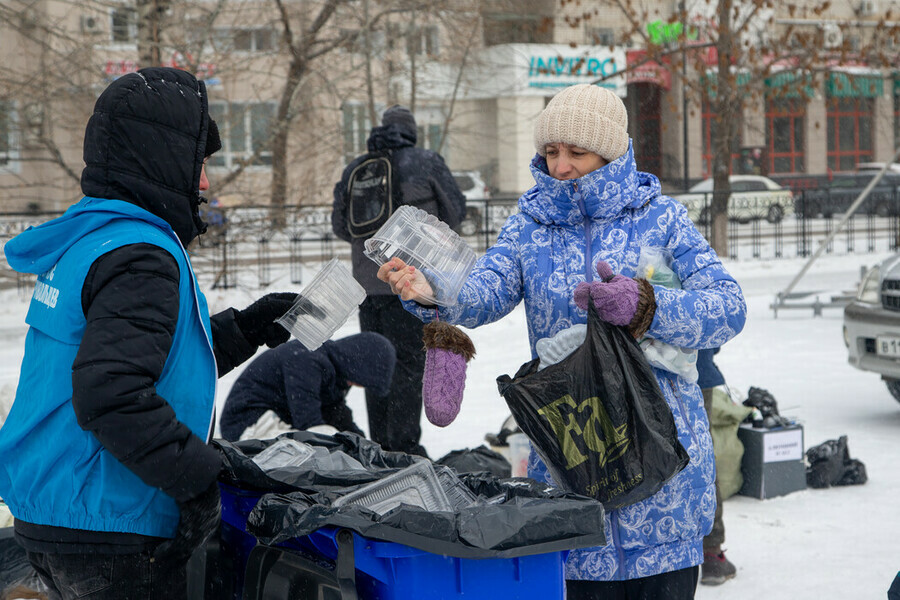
x=590 y=211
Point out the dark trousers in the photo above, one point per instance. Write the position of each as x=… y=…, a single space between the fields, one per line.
x=674 y=585
x=716 y=537
x=110 y=576
x=394 y=419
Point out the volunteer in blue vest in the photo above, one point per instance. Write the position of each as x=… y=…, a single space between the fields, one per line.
x=106 y=466
x=576 y=240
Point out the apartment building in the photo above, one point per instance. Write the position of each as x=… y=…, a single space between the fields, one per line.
x=818 y=88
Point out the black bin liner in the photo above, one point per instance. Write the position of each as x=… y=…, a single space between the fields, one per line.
x=475 y=460
x=830 y=465
x=523 y=516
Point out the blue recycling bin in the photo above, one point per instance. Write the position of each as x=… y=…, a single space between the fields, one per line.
x=392 y=571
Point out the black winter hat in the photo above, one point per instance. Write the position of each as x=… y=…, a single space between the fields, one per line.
x=399 y=115
x=213 y=141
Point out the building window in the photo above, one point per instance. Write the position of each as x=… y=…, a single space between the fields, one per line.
x=124 y=25
x=9 y=147
x=896 y=113
x=600 y=36
x=244 y=39
x=429 y=136
x=709 y=130
x=245 y=129
x=356 y=127
x=850 y=133
x=644 y=103
x=531 y=22
x=424 y=40
x=785 y=129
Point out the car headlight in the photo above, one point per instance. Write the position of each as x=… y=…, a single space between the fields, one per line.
x=870 y=287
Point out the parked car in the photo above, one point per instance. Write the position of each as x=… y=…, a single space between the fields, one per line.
x=837 y=192
x=752 y=197
x=872 y=324
x=869 y=167
x=477 y=193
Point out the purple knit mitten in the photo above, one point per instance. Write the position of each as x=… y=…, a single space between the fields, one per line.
x=615 y=297
x=448 y=350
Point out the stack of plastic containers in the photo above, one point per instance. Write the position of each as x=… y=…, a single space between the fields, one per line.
x=421 y=240
x=324 y=305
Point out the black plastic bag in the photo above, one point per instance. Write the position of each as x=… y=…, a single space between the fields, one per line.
x=477 y=460
x=520 y=516
x=598 y=418
x=830 y=464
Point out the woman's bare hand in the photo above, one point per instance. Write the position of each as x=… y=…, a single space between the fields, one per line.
x=406 y=281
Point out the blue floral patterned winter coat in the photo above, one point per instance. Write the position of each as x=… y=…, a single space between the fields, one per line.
x=540 y=256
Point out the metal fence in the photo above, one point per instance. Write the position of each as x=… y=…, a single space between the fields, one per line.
x=256 y=247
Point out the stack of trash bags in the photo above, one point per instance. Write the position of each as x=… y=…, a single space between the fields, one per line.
x=829 y=464
x=307 y=481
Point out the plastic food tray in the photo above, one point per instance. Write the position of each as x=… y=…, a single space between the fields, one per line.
x=416 y=485
x=459 y=495
x=286 y=452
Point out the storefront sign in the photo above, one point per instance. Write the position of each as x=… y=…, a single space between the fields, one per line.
x=641 y=70
x=204 y=71
x=542 y=69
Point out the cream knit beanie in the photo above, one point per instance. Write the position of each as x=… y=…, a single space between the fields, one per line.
x=587 y=116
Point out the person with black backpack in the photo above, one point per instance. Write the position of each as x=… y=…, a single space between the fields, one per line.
x=392 y=173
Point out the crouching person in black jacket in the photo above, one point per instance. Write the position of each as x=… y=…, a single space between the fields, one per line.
x=290 y=388
x=106 y=466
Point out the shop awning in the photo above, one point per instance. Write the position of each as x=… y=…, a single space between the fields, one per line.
x=710 y=80
x=791 y=84
x=840 y=84
x=641 y=70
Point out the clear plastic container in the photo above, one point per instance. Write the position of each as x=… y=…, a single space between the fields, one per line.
x=324 y=305
x=459 y=495
x=416 y=485
x=286 y=452
x=519 y=449
x=423 y=241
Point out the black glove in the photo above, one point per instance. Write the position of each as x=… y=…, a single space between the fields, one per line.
x=198 y=521
x=257 y=321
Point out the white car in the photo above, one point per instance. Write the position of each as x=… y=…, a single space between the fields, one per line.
x=752 y=197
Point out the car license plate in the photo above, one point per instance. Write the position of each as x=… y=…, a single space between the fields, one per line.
x=887 y=346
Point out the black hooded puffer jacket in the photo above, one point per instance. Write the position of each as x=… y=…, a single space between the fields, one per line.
x=424 y=181
x=144 y=144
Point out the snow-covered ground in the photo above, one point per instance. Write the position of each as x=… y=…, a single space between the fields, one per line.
x=812 y=544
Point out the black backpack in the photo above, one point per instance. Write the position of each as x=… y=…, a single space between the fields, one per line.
x=369 y=192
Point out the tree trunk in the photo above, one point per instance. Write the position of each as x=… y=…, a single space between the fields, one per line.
x=150 y=14
x=282 y=123
x=725 y=125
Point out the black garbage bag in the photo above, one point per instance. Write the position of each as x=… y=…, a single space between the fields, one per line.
x=830 y=464
x=475 y=460
x=598 y=418
x=513 y=517
x=763 y=400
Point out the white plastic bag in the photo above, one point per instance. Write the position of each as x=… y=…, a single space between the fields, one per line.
x=653 y=265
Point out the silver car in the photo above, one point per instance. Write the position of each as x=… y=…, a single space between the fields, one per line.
x=872 y=324
x=752 y=197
